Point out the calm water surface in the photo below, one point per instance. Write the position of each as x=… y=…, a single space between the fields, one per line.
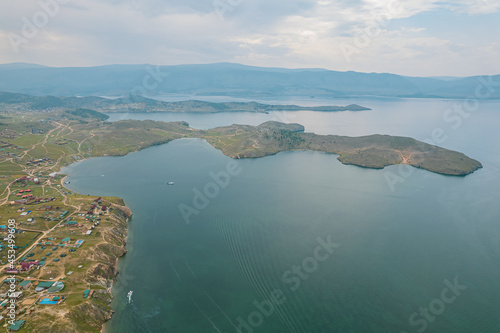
x=255 y=260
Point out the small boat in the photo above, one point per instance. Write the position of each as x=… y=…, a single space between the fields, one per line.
x=129 y=296
x=170 y=183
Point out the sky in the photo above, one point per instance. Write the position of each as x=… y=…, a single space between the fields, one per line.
x=416 y=38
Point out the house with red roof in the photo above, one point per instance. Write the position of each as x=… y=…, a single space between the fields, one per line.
x=27 y=265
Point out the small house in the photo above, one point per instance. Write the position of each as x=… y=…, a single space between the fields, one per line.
x=10 y=280
x=17 y=325
x=11 y=271
x=44 y=285
x=26 y=266
x=56 y=287
x=25 y=284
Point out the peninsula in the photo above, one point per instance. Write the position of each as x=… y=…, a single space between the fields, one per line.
x=244 y=141
x=372 y=151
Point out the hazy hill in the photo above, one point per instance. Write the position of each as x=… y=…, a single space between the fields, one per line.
x=143 y=104
x=225 y=79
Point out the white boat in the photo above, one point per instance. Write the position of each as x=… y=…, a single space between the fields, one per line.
x=170 y=183
x=129 y=296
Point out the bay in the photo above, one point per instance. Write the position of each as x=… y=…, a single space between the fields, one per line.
x=396 y=247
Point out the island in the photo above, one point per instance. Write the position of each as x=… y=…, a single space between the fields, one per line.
x=67 y=245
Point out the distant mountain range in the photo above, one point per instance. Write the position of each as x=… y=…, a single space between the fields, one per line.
x=143 y=104
x=226 y=79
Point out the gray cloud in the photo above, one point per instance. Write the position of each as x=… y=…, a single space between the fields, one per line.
x=293 y=33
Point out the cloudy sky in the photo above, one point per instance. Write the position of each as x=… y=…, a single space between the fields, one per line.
x=416 y=37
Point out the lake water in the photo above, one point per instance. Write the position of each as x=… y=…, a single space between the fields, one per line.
x=298 y=242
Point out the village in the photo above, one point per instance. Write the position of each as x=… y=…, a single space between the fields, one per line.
x=59 y=250
x=49 y=239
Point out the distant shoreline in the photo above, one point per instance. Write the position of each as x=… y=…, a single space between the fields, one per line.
x=214 y=112
x=137 y=103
